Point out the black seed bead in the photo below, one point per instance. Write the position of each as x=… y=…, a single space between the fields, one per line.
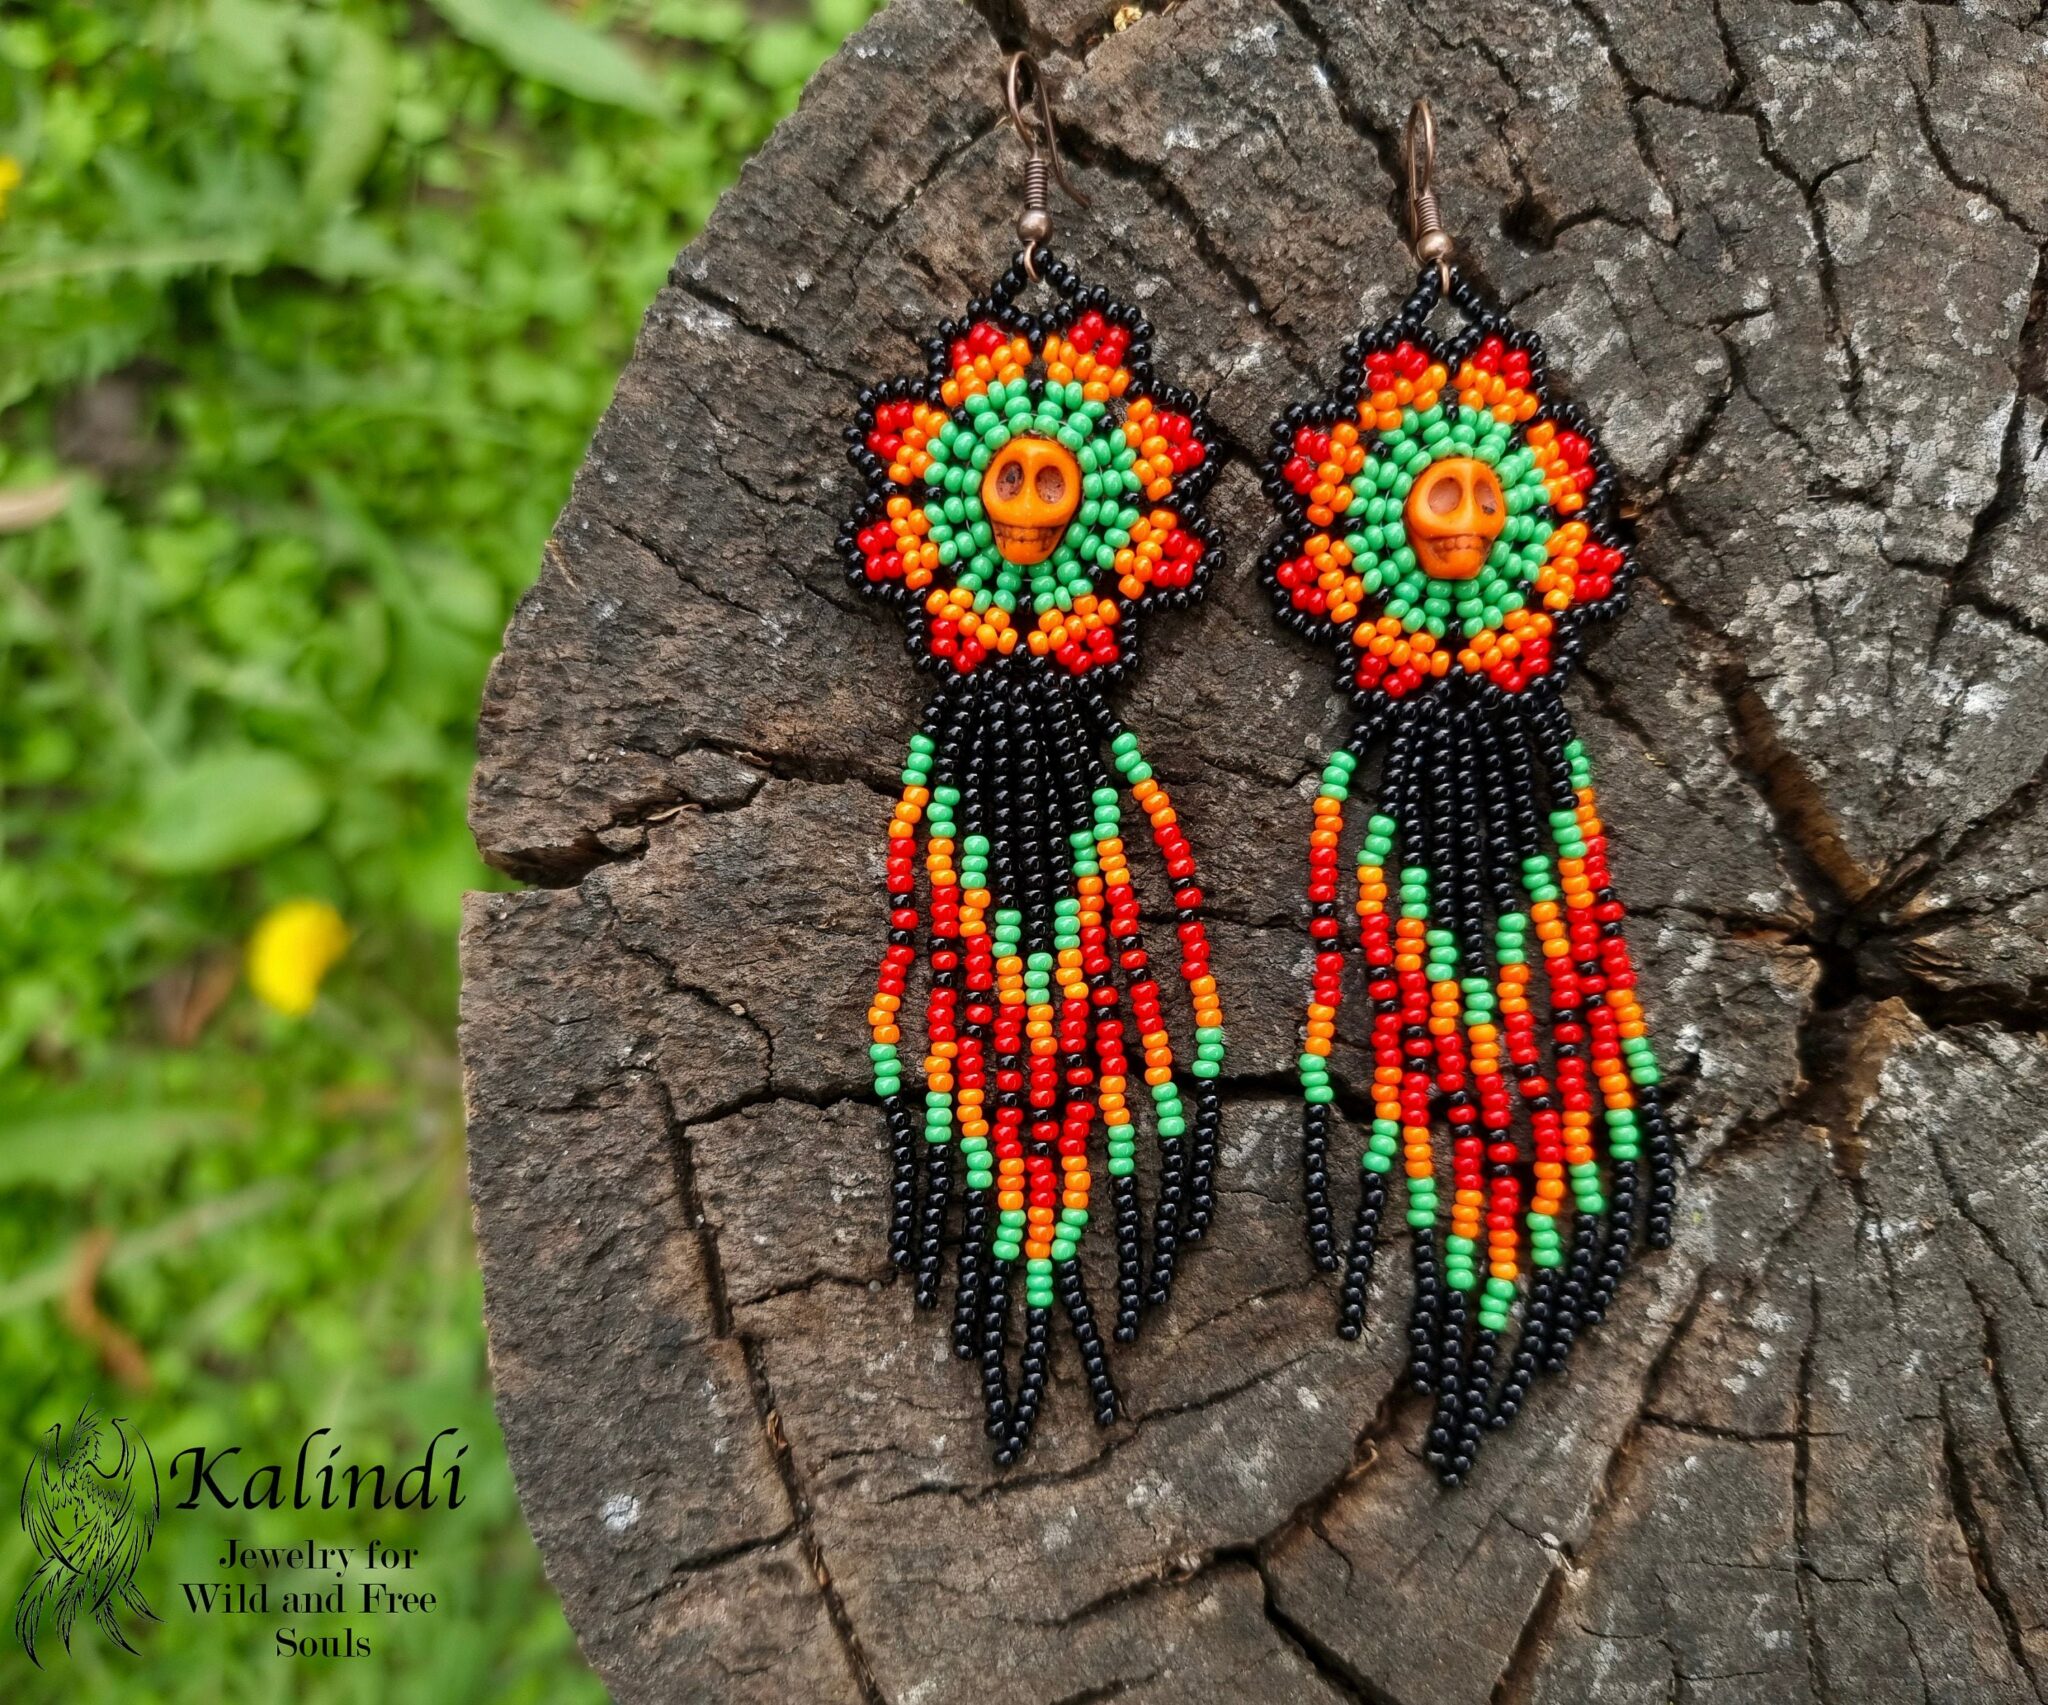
x=1315 y=1183
x=995 y=1321
x=1659 y=1151
x=1074 y=1298
x=1531 y=1347
x=1479 y=1401
x=1621 y=1217
x=1165 y=1232
x=1130 y=1260
x=1358 y=1262
x=1202 y=1161
x=931 y=1225
x=903 y=1130
x=1031 y=1380
x=1422 y=1319
x=1447 y=1420
x=968 y=1279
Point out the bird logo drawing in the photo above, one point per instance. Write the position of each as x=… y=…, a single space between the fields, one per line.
x=90 y=1525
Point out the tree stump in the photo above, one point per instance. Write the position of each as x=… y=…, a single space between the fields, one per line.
x=1790 y=256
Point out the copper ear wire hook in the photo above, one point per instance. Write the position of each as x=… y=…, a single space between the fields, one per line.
x=1426 y=233
x=1032 y=118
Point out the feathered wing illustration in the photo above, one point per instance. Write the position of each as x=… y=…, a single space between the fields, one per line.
x=1451 y=528
x=1029 y=498
x=91 y=1527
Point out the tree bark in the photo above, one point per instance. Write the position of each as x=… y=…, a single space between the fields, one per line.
x=1790 y=257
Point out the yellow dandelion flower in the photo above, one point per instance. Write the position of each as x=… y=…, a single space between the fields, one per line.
x=10 y=175
x=292 y=950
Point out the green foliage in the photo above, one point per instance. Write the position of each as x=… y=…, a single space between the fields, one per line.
x=311 y=306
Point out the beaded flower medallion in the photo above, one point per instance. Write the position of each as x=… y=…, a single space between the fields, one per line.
x=1451 y=530
x=1028 y=499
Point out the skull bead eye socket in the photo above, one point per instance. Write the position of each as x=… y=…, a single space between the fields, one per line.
x=1489 y=499
x=1446 y=494
x=1009 y=478
x=1051 y=483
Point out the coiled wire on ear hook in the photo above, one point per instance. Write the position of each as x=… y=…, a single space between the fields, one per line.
x=1426 y=233
x=1031 y=115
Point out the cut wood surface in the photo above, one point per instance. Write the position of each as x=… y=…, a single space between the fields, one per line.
x=1790 y=256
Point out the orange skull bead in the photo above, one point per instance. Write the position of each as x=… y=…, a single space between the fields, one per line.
x=1030 y=492
x=1455 y=511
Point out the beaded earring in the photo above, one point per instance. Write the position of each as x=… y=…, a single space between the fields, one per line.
x=1029 y=498
x=1452 y=529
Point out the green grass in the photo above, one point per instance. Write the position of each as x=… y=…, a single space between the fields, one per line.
x=311 y=308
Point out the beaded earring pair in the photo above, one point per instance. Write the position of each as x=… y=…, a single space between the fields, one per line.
x=1450 y=530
